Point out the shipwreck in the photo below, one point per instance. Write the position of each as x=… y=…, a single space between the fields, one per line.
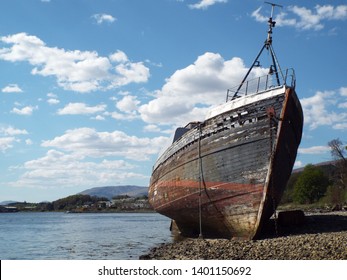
x=224 y=176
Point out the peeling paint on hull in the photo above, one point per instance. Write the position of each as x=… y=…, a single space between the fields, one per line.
x=231 y=169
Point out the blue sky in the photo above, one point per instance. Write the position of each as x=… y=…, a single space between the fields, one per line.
x=92 y=90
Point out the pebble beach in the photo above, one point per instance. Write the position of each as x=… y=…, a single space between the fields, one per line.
x=323 y=236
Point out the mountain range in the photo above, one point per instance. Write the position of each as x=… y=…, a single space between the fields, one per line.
x=4 y=203
x=111 y=191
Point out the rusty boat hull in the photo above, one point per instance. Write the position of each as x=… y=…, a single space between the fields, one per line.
x=225 y=176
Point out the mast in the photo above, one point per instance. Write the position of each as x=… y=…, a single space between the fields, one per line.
x=274 y=67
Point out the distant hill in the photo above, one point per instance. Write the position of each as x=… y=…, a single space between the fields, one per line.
x=4 y=203
x=324 y=165
x=111 y=191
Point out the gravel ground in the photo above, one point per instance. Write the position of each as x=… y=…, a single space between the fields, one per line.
x=323 y=236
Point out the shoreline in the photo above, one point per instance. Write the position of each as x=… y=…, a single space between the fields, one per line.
x=139 y=210
x=323 y=236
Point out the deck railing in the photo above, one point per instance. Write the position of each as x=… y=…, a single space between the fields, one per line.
x=263 y=83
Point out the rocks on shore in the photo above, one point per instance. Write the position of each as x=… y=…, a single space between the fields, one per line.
x=322 y=236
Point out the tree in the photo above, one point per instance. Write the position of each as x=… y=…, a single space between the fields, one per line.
x=289 y=190
x=338 y=153
x=338 y=150
x=311 y=185
x=73 y=201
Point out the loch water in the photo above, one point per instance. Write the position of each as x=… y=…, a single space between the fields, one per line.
x=80 y=236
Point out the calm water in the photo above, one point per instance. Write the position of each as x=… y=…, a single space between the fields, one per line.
x=98 y=236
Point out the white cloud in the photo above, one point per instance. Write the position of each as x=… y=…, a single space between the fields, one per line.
x=151 y=128
x=258 y=16
x=81 y=109
x=10 y=130
x=101 y=18
x=128 y=108
x=119 y=57
x=314 y=150
x=130 y=72
x=128 y=104
x=204 y=4
x=121 y=116
x=156 y=64
x=304 y=18
x=298 y=164
x=99 y=118
x=28 y=141
x=81 y=71
x=6 y=143
x=88 y=142
x=322 y=109
x=53 y=101
x=51 y=95
x=307 y=18
x=12 y=88
x=343 y=91
x=189 y=92
x=121 y=93
x=25 y=111
x=332 y=13
x=340 y=126
x=9 y=135
x=57 y=169
x=343 y=105
x=124 y=116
